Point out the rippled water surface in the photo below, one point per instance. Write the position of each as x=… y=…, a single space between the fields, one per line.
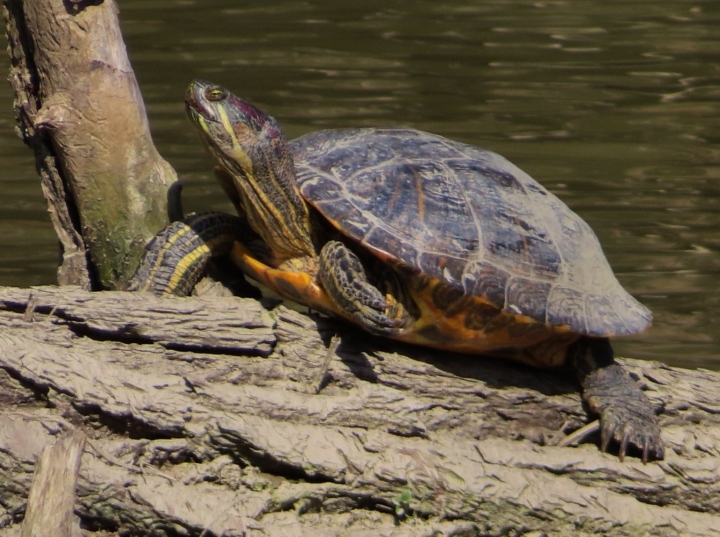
x=614 y=106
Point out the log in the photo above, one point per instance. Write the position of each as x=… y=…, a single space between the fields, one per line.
x=232 y=416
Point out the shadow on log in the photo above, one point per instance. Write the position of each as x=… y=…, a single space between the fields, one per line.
x=227 y=417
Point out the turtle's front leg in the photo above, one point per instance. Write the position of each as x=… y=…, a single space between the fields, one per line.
x=344 y=279
x=626 y=414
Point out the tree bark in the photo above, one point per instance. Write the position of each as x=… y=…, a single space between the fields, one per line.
x=79 y=108
x=232 y=417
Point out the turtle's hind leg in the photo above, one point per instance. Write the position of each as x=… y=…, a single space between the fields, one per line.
x=626 y=414
x=176 y=258
x=344 y=279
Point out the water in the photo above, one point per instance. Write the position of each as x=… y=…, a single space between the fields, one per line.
x=612 y=105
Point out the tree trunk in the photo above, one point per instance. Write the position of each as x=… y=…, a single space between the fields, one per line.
x=79 y=108
x=232 y=417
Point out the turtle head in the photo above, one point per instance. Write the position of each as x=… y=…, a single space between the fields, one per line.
x=233 y=130
x=249 y=146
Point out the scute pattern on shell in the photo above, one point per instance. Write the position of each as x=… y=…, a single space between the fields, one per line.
x=469 y=218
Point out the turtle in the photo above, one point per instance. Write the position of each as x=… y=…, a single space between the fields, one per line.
x=422 y=239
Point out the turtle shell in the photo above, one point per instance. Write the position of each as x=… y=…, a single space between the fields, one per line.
x=469 y=218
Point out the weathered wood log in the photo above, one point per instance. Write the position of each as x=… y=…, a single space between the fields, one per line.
x=52 y=494
x=232 y=417
x=79 y=108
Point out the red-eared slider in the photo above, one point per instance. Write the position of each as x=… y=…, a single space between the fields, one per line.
x=429 y=241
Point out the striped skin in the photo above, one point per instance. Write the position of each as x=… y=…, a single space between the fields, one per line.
x=249 y=147
x=343 y=277
x=176 y=258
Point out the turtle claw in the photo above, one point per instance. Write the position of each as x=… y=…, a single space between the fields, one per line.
x=605 y=437
x=626 y=414
x=377 y=316
x=624 y=445
x=371 y=308
x=646 y=449
x=631 y=425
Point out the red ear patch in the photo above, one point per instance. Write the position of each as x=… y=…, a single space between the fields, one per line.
x=255 y=117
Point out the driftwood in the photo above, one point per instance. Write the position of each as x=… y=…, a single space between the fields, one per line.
x=232 y=417
x=52 y=495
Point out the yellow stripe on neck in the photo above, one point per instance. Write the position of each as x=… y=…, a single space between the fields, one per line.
x=237 y=153
x=283 y=235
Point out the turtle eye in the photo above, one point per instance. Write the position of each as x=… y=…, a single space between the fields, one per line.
x=215 y=94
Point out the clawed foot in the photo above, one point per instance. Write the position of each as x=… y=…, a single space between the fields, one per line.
x=626 y=414
x=372 y=309
x=631 y=424
x=344 y=279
